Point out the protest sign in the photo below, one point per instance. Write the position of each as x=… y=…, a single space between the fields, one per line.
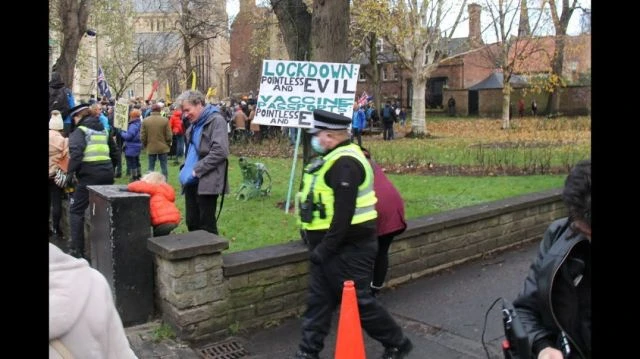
x=121 y=114
x=291 y=90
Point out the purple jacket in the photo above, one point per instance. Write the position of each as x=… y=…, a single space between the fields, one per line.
x=390 y=206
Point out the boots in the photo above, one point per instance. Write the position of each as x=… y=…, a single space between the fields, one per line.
x=135 y=174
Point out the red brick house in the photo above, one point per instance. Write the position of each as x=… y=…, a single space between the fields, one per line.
x=467 y=64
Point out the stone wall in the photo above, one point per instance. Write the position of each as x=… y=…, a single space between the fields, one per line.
x=207 y=295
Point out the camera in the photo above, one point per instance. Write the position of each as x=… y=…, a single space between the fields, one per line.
x=516 y=345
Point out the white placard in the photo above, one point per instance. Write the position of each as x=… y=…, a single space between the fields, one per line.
x=291 y=90
x=121 y=114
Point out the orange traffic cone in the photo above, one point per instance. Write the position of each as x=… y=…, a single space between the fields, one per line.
x=349 y=344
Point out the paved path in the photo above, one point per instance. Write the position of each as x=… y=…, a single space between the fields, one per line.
x=443 y=314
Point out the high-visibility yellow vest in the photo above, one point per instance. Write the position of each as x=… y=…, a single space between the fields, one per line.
x=97 y=146
x=322 y=193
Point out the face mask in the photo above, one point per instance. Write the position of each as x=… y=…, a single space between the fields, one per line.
x=315 y=144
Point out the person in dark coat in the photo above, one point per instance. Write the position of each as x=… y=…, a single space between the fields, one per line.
x=390 y=221
x=451 y=105
x=338 y=222
x=92 y=155
x=555 y=304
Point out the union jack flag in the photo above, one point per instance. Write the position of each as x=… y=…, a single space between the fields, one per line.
x=102 y=84
x=363 y=99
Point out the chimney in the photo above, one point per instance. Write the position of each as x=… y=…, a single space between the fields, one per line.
x=475 y=38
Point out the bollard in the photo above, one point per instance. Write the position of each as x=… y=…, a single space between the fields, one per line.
x=120 y=227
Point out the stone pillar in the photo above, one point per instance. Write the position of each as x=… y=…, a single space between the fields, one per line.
x=119 y=228
x=192 y=293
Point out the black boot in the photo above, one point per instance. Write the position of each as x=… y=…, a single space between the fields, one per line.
x=398 y=352
x=304 y=355
x=374 y=290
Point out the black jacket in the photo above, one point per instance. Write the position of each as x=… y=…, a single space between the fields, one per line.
x=557 y=292
x=77 y=144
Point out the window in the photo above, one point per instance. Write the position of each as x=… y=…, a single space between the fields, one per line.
x=380 y=45
x=395 y=73
x=383 y=73
x=573 y=65
x=361 y=76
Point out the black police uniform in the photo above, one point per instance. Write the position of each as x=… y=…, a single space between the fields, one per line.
x=87 y=174
x=343 y=252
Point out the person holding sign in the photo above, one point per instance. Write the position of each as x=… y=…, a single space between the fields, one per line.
x=338 y=222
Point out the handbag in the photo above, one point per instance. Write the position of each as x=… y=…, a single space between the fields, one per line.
x=61 y=178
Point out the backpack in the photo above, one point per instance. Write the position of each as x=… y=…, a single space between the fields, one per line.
x=386 y=113
x=58 y=100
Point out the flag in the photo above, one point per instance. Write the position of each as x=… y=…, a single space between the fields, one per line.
x=154 y=88
x=363 y=99
x=193 y=80
x=167 y=93
x=103 y=87
x=211 y=92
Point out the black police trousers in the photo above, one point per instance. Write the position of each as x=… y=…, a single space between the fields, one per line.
x=78 y=204
x=353 y=262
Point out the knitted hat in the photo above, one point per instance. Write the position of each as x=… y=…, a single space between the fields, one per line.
x=55 y=122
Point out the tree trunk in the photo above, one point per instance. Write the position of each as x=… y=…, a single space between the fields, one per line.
x=553 y=102
x=330 y=31
x=295 y=25
x=506 y=106
x=73 y=15
x=418 y=120
x=375 y=70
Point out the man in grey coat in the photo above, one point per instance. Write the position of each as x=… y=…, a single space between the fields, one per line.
x=204 y=173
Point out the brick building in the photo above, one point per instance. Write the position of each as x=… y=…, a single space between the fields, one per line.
x=467 y=64
x=254 y=35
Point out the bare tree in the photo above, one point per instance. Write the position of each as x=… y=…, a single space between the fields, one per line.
x=120 y=60
x=70 y=19
x=560 y=24
x=185 y=39
x=370 y=21
x=420 y=44
x=510 y=52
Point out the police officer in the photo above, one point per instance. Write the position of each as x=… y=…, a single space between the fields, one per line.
x=92 y=154
x=338 y=220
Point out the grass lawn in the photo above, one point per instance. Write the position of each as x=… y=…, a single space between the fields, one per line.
x=533 y=146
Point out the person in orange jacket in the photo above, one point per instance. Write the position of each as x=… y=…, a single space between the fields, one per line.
x=165 y=215
x=178 y=135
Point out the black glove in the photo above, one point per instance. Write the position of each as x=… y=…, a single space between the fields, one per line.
x=320 y=254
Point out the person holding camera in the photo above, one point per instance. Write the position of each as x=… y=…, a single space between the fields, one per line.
x=338 y=222
x=555 y=304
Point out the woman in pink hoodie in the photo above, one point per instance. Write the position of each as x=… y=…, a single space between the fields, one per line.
x=83 y=320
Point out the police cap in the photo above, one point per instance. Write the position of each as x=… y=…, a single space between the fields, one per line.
x=325 y=120
x=74 y=111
